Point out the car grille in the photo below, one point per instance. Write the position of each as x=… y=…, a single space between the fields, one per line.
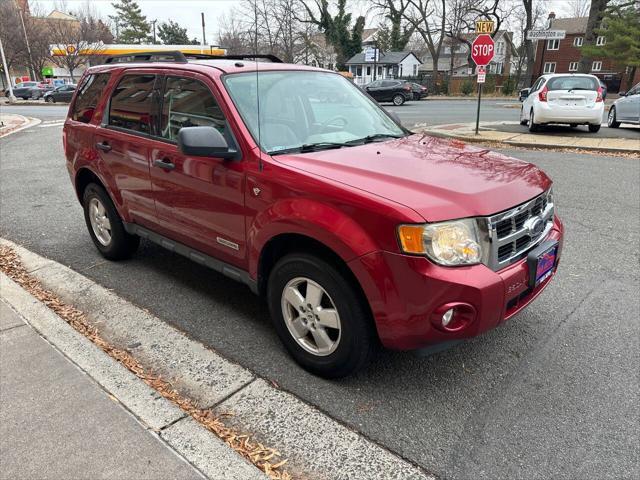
x=514 y=232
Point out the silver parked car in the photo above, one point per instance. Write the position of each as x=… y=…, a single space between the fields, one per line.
x=626 y=109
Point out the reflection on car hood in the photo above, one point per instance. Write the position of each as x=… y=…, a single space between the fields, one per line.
x=440 y=179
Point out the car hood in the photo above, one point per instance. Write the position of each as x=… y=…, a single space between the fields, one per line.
x=440 y=179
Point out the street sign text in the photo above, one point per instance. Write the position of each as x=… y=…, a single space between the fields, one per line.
x=546 y=34
x=484 y=26
x=482 y=49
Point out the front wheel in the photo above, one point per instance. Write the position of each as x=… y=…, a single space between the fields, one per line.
x=50 y=100
x=320 y=317
x=612 y=122
x=398 y=100
x=594 y=128
x=533 y=126
x=105 y=225
x=523 y=121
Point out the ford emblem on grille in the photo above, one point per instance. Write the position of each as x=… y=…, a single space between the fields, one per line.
x=535 y=225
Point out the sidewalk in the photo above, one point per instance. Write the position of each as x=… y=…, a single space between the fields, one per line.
x=11 y=123
x=56 y=422
x=494 y=132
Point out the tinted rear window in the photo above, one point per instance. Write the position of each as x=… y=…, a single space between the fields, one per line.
x=573 y=83
x=89 y=93
x=130 y=106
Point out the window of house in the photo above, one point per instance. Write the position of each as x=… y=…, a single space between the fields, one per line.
x=359 y=71
x=573 y=66
x=130 y=105
x=500 y=48
x=89 y=92
x=415 y=70
x=499 y=68
x=577 y=42
x=596 y=66
x=601 y=41
x=553 y=44
x=550 y=67
x=188 y=103
x=368 y=71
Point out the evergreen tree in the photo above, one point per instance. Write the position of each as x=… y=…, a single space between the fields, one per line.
x=131 y=25
x=173 y=34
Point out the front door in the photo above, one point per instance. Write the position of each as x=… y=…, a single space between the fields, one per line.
x=199 y=200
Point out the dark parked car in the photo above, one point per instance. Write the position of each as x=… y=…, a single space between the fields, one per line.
x=63 y=93
x=396 y=91
x=24 y=90
x=419 y=91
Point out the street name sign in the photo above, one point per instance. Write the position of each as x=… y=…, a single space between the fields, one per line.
x=546 y=34
x=484 y=26
x=482 y=49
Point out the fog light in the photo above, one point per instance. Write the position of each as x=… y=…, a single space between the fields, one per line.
x=446 y=318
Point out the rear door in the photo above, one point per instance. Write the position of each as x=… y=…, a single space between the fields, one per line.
x=123 y=142
x=628 y=107
x=373 y=89
x=65 y=93
x=199 y=200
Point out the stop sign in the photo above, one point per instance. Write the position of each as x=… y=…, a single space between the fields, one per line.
x=482 y=49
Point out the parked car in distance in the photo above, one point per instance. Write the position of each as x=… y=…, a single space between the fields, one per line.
x=625 y=109
x=419 y=91
x=24 y=90
x=389 y=90
x=63 y=93
x=604 y=89
x=575 y=99
x=354 y=230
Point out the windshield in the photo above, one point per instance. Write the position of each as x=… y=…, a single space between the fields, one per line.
x=305 y=110
x=573 y=83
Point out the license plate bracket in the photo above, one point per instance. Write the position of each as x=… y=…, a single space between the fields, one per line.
x=541 y=261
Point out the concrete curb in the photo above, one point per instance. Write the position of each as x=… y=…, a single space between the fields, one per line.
x=316 y=445
x=465 y=132
x=28 y=122
x=182 y=434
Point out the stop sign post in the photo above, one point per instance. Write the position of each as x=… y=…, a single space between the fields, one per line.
x=482 y=50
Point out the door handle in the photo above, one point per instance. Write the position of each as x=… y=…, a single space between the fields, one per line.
x=165 y=164
x=104 y=146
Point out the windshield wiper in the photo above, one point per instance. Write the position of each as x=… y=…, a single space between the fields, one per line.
x=312 y=147
x=374 y=137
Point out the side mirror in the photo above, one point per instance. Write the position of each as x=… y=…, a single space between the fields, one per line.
x=204 y=142
x=622 y=94
x=394 y=116
x=524 y=93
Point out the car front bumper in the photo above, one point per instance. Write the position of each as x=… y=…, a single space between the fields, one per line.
x=408 y=294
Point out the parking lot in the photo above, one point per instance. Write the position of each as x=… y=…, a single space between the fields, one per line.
x=552 y=393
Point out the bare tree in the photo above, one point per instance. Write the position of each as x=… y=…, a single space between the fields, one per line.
x=578 y=8
x=233 y=36
x=401 y=31
x=596 y=12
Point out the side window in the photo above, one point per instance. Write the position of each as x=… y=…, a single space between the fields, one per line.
x=130 y=105
x=89 y=93
x=189 y=103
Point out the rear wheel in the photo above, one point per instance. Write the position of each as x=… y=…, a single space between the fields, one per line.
x=398 y=99
x=533 y=126
x=594 y=128
x=319 y=316
x=612 y=121
x=105 y=225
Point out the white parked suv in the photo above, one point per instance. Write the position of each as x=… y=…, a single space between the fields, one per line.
x=570 y=98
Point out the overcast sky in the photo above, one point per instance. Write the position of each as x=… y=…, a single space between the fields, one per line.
x=187 y=12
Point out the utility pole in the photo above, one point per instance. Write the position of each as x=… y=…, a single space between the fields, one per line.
x=12 y=98
x=203 y=37
x=153 y=22
x=26 y=41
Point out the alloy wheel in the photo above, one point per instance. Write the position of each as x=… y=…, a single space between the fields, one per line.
x=99 y=221
x=311 y=316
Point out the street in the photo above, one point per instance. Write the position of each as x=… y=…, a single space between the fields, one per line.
x=553 y=393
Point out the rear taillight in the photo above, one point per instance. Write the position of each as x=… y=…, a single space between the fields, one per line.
x=599 y=97
x=542 y=96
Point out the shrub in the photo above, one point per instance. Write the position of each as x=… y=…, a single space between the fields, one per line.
x=467 y=87
x=490 y=84
x=509 y=86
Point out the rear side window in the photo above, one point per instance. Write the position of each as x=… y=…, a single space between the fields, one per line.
x=130 y=105
x=89 y=93
x=573 y=83
x=189 y=103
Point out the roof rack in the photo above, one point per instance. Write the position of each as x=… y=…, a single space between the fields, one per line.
x=180 y=57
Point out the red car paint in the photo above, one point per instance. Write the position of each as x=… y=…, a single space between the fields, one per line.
x=351 y=201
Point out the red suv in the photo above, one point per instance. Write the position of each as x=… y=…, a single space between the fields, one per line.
x=293 y=181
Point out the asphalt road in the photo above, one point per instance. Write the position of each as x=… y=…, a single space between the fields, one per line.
x=553 y=393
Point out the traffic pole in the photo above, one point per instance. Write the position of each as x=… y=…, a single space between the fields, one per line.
x=478 y=112
x=12 y=98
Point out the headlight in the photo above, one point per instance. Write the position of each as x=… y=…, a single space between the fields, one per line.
x=446 y=243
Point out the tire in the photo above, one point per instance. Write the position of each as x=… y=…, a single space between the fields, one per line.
x=50 y=100
x=398 y=100
x=349 y=347
x=533 y=126
x=118 y=244
x=523 y=121
x=594 y=128
x=612 y=121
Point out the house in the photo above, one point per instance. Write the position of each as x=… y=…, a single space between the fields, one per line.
x=454 y=56
x=388 y=65
x=563 y=56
